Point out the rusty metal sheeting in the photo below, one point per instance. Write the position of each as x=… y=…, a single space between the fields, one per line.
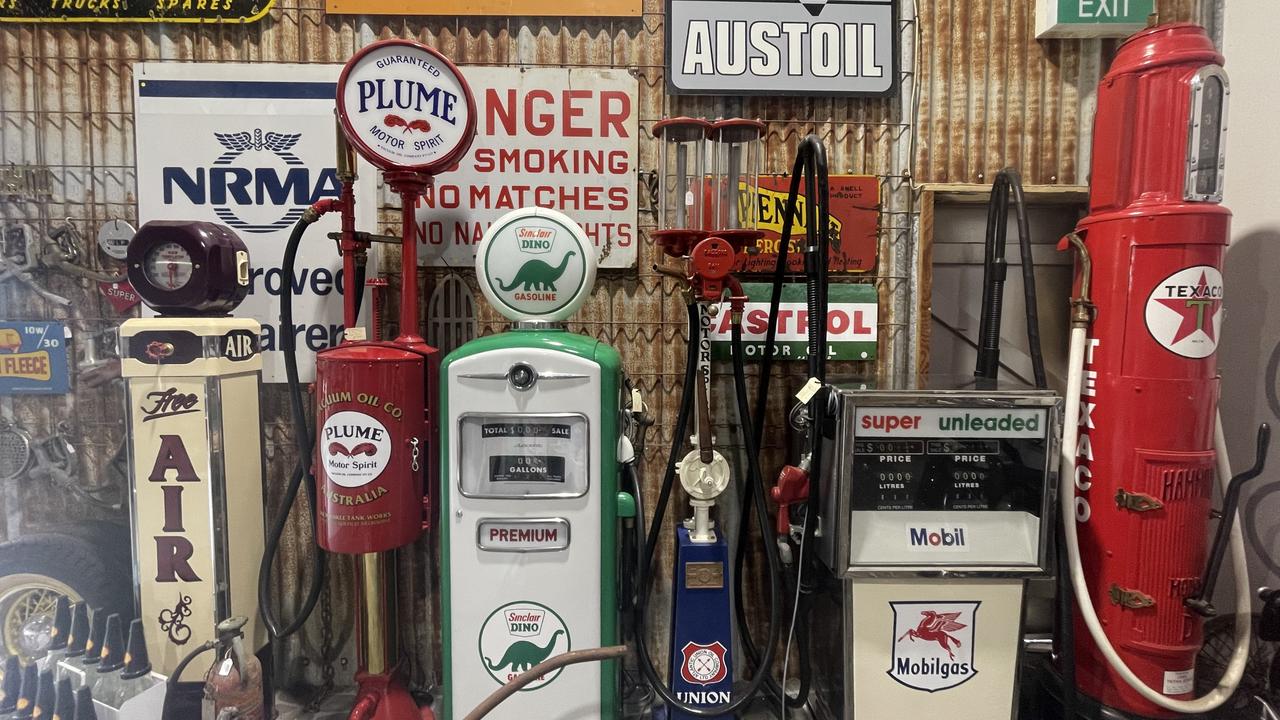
x=991 y=95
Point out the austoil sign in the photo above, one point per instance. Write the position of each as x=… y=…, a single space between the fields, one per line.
x=787 y=47
x=255 y=148
x=404 y=106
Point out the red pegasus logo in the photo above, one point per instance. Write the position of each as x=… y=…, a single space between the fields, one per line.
x=936 y=627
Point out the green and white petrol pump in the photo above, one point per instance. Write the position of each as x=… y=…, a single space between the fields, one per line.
x=529 y=502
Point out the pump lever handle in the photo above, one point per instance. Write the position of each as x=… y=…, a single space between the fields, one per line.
x=1201 y=603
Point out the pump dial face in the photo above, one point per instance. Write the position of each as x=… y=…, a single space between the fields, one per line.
x=168 y=266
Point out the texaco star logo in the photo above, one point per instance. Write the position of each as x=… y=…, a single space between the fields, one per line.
x=1184 y=311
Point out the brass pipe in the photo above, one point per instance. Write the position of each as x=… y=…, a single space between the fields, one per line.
x=375 y=604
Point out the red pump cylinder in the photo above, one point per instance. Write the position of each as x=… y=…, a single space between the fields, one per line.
x=372 y=449
x=1145 y=458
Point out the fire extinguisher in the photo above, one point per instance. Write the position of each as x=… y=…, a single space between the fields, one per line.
x=1142 y=443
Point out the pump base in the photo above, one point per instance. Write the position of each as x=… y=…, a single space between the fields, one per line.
x=382 y=697
x=1086 y=707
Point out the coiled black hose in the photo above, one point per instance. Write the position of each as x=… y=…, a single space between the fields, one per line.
x=305 y=443
x=994 y=271
x=811 y=163
x=690 y=386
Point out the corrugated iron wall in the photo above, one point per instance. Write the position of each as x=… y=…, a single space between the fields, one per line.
x=988 y=95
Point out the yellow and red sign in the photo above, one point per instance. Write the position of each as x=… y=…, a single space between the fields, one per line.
x=33 y=358
x=503 y=8
x=855 y=224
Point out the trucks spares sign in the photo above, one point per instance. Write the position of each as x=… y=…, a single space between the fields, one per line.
x=559 y=138
x=781 y=47
x=851 y=323
x=120 y=11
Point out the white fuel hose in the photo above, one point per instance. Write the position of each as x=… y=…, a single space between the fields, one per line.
x=1084 y=601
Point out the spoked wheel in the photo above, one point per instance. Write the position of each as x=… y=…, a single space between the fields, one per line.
x=37 y=569
x=26 y=612
x=1211 y=663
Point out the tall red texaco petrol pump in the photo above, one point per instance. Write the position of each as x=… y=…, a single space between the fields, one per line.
x=407 y=110
x=1141 y=445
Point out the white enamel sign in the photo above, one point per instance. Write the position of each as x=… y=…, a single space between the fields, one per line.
x=560 y=138
x=536 y=264
x=251 y=147
x=405 y=107
x=355 y=448
x=933 y=644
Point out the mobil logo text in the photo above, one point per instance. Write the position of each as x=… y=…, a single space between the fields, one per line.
x=952 y=537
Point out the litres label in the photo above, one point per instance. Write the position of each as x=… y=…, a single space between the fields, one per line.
x=518 y=636
x=933 y=644
x=1184 y=311
x=355 y=449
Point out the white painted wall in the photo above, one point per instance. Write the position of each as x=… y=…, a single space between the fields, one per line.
x=1251 y=327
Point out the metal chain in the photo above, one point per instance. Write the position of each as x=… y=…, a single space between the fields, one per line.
x=327 y=651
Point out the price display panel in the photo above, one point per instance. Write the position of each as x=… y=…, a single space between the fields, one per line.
x=949 y=460
x=515 y=455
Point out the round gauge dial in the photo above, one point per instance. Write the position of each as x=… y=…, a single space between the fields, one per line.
x=188 y=268
x=168 y=266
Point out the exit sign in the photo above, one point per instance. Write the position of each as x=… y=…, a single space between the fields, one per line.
x=1091 y=18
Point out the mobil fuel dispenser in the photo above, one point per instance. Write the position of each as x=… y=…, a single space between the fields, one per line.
x=936 y=512
x=529 y=500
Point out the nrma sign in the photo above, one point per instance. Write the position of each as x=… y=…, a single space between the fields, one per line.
x=256 y=185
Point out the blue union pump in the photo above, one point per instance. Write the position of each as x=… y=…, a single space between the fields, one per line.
x=702 y=663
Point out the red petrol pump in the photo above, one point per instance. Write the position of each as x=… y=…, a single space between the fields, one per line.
x=407 y=110
x=1142 y=445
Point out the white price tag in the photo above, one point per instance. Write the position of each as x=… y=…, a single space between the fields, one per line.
x=1179 y=682
x=811 y=388
x=225 y=668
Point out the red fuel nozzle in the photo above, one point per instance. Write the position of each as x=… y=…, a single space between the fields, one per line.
x=792 y=487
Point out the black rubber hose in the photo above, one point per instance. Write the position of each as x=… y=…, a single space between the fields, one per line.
x=811 y=161
x=994 y=271
x=691 y=381
x=1028 y=278
x=1007 y=187
x=301 y=472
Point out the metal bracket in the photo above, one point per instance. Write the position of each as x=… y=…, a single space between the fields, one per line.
x=1132 y=599
x=1136 y=502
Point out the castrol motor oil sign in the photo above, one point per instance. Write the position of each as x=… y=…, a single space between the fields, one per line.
x=404 y=106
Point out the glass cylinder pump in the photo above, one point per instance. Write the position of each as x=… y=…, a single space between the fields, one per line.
x=681 y=179
x=737 y=151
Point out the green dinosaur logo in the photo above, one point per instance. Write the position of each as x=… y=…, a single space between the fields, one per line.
x=518 y=636
x=522 y=655
x=537 y=275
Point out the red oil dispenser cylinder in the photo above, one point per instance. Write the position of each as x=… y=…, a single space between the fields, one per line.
x=1145 y=473
x=371 y=445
